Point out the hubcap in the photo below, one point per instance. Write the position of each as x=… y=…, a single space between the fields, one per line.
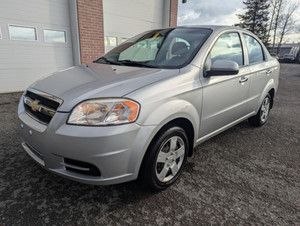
x=170 y=159
x=265 y=108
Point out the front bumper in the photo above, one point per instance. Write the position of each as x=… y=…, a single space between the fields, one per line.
x=116 y=151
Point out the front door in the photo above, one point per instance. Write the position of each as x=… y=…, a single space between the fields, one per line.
x=225 y=97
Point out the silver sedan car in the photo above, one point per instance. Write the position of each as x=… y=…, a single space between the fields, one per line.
x=140 y=110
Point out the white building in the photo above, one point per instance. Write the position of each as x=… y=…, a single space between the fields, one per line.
x=39 y=37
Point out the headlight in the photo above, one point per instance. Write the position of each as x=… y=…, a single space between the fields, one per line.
x=104 y=112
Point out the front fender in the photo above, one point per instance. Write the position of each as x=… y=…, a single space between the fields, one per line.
x=171 y=110
x=154 y=122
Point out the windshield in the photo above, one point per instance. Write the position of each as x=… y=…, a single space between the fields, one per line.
x=164 y=48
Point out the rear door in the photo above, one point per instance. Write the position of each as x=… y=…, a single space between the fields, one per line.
x=260 y=70
x=225 y=97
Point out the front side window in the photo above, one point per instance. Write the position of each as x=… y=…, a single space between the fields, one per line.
x=22 y=33
x=163 y=48
x=54 y=36
x=255 y=51
x=228 y=47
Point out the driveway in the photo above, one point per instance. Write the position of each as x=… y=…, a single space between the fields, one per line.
x=243 y=175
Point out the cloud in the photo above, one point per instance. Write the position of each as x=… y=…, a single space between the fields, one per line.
x=209 y=12
x=222 y=12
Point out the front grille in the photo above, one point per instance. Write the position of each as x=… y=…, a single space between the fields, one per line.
x=40 y=105
x=48 y=102
x=81 y=167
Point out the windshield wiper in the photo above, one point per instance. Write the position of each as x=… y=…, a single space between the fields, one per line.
x=105 y=60
x=134 y=63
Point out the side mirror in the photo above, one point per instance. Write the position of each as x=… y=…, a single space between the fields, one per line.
x=223 y=67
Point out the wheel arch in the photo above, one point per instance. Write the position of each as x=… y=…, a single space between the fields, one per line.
x=272 y=94
x=186 y=125
x=270 y=88
x=181 y=122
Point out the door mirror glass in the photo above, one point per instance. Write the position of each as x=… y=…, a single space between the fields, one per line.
x=223 y=67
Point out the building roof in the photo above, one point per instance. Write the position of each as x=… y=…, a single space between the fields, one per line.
x=285 y=45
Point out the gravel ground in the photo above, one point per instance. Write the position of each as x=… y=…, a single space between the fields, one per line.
x=244 y=175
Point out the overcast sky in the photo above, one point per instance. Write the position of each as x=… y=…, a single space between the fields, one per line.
x=220 y=12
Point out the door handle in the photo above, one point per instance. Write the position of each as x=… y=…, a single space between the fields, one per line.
x=269 y=71
x=243 y=80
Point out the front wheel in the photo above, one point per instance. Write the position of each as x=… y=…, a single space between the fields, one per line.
x=165 y=158
x=263 y=113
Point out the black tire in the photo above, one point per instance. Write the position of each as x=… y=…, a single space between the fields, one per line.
x=257 y=120
x=149 y=168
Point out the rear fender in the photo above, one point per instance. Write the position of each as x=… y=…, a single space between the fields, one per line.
x=270 y=85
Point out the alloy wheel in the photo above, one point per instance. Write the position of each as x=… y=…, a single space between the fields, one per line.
x=170 y=159
x=265 y=108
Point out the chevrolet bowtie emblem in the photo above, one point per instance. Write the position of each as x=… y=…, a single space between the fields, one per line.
x=35 y=105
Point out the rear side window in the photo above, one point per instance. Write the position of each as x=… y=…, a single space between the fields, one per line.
x=228 y=47
x=255 y=51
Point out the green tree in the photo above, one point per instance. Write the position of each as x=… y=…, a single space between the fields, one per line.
x=255 y=18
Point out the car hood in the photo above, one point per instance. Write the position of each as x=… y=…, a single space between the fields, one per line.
x=94 y=80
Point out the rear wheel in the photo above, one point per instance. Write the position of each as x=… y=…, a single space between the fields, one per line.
x=165 y=158
x=263 y=113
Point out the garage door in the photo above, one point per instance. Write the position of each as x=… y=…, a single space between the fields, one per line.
x=131 y=18
x=35 y=40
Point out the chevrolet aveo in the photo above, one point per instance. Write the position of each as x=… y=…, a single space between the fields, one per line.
x=139 y=111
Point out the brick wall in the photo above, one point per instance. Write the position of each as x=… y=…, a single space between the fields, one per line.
x=173 y=13
x=91 y=30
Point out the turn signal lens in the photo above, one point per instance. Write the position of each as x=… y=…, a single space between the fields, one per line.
x=124 y=111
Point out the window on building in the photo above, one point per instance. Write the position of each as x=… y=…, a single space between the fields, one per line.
x=228 y=47
x=255 y=51
x=110 y=41
x=124 y=39
x=23 y=33
x=54 y=36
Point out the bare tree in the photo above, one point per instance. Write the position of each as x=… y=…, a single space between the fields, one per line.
x=273 y=4
x=279 y=8
x=287 y=22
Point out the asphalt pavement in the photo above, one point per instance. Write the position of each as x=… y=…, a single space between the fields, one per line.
x=244 y=175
